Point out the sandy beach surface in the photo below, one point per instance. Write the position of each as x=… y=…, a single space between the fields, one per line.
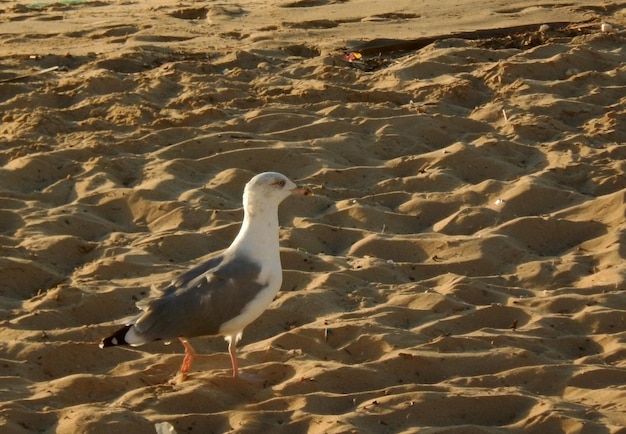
x=460 y=268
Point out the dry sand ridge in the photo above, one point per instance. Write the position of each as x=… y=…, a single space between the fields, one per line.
x=459 y=269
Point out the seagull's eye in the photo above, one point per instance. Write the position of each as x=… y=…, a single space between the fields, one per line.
x=280 y=183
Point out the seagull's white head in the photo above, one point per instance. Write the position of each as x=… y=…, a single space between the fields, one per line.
x=267 y=190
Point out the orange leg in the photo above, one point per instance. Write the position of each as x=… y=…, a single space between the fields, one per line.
x=189 y=355
x=232 y=350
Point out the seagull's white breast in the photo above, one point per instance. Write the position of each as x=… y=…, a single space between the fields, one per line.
x=271 y=278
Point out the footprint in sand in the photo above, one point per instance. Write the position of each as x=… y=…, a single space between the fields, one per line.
x=223 y=12
x=314 y=24
x=311 y=3
x=391 y=17
x=190 y=13
x=114 y=31
x=214 y=12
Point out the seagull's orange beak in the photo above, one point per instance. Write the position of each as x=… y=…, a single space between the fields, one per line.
x=302 y=190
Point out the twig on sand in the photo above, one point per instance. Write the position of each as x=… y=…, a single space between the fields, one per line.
x=31 y=74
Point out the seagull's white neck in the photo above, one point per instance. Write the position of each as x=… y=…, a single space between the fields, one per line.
x=258 y=235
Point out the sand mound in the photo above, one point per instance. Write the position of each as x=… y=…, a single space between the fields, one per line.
x=459 y=269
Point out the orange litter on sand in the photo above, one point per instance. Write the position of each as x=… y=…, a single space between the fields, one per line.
x=352 y=56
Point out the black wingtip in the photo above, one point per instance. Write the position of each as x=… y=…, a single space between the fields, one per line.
x=117 y=338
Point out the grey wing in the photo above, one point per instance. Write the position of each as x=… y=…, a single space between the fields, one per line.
x=202 y=304
x=194 y=272
x=181 y=281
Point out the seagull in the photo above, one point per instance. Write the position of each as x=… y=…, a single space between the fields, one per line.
x=225 y=293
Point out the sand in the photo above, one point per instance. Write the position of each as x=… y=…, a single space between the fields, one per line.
x=460 y=268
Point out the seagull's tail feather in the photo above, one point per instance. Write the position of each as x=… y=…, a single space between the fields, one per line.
x=117 y=338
